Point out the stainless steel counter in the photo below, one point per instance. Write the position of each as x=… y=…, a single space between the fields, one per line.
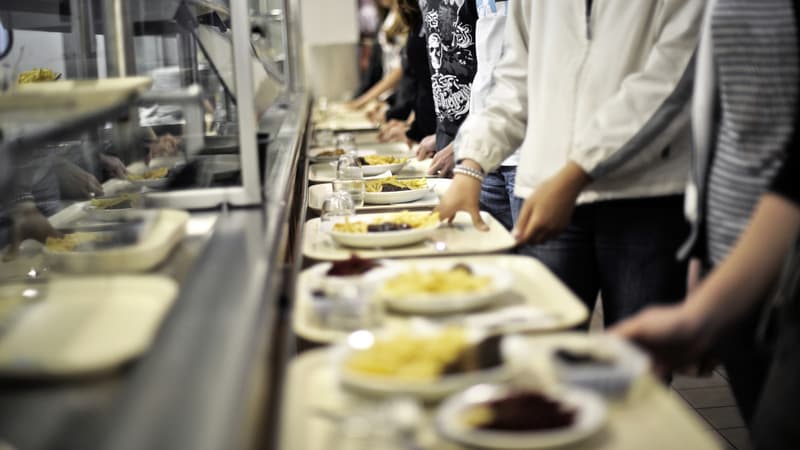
x=206 y=381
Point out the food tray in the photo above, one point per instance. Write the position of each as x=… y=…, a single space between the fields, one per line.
x=317 y=193
x=326 y=172
x=457 y=239
x=83 y=325
x=314 y=406
x=167 y=230
x=388 y=148
x=347 y=122
x=67 y=99
x=534 y=287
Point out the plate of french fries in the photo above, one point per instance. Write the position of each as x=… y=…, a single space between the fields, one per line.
x=151 y=178
x=385 y=230
x=387 y=191
x=114 y=207
x=441 y=287
x=378 y=164
x=428 y=364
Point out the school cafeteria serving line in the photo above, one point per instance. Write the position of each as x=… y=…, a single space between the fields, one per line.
x=399 y=224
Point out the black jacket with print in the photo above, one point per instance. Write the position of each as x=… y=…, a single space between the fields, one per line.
x=450 y=34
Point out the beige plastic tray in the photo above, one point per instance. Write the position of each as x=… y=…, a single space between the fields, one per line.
x=168 y=229
x=346 y=121
x=534 y=287
x=326 y=172
x=83 y=325
x=317 y=193
x=649 y=418
x=68 y=98
x=460 y=238
x=385 y=148
x=369 y=137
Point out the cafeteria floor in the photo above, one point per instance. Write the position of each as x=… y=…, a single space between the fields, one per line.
x=709 y=397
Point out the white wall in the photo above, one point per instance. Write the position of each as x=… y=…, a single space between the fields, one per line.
x=329 y=21
x=330 y=46
x=41 y=49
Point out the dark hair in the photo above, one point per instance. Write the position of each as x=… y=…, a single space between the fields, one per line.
x=410 y=13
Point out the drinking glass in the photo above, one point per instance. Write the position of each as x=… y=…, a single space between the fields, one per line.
x=335 y=208
x=350 y=179
x=346 y=142
x=325 y=138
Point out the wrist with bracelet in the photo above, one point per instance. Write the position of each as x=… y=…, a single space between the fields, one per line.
x=469 y=171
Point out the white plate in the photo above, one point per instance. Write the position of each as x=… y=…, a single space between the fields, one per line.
x=106 y=214
x=170 y=162
x=383 y=239
x=326 y=172
x=377 y=169
x=388 y=198
x=159 y=183
x=614 y=379
x=110 y=214
x=318 y=192
x=591 y=415
x=426 y=390
x=502 y=282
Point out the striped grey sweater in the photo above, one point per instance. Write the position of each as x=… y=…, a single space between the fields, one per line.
x=756 y=56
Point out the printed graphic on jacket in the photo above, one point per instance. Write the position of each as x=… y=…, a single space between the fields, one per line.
x=450 y=32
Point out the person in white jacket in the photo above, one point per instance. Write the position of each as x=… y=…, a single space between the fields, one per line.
x=595 y=94
x=497 y=192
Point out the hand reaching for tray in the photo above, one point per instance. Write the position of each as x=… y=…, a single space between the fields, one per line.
x=27 y=223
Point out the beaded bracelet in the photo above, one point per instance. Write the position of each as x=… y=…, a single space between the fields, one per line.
x=470 y=172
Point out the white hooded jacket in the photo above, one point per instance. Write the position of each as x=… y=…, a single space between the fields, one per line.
x=608 y=88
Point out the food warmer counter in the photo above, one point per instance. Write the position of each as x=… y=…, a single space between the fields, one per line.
x=206 y=382
x=207 y=379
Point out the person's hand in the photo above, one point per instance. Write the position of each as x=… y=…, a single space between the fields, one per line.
x=113 y=166
x=549 y=209
x=377 y=114
x=355 y=105
x=463 y=195
x=443 y=162
x=392 y=131
x=27 y=222
x=166 y=145
x=427 y=147
x=75 y=182
x=676 y=336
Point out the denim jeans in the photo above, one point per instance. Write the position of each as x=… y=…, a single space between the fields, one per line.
x=625 y=250
x=497 y=196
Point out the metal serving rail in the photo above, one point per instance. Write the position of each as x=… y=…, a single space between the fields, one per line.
x=206 y=382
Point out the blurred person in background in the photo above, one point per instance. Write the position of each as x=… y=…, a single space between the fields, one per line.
x=30 y=194
x=744 y=205
x=391 y=39
x=370 y=17
x=596 y=99
x=413 y=116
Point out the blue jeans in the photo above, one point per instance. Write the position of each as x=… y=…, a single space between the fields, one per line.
x=624 y=249
x=497 y=196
